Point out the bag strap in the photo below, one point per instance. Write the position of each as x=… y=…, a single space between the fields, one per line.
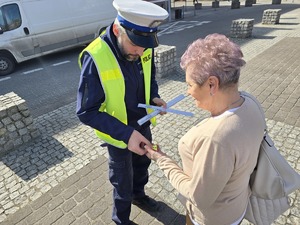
x=247 y=95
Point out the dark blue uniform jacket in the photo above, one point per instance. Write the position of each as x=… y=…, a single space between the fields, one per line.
x=90 y=94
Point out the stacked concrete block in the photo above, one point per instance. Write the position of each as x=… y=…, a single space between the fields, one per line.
x=198 y=6
x=276 y=2
x=242 y=28
x=235 y=4
x=16 y=123
x=165 y=60
x=248 y=3
x=215 y=4
x=271 y=16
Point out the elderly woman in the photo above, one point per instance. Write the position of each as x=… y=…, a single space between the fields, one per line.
x=219 y=154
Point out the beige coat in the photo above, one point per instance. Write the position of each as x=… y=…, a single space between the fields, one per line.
x=218 y=156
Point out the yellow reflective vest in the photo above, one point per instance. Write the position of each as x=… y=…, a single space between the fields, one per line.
x=113 y=84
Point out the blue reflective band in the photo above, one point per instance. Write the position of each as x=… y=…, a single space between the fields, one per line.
x=134 y=26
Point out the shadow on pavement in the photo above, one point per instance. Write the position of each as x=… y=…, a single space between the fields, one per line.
x=166 y=215
x=30 y=160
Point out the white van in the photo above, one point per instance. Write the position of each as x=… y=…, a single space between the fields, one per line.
x=32 y=28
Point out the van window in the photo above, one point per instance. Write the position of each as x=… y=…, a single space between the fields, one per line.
x=1 y=20
x=10 y=17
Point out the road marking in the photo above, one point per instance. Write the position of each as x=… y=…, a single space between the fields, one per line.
x=60 y=63
x=169 y=27
x=38 y=69
x=180 y=26
x=5 y=78
x=32 y=71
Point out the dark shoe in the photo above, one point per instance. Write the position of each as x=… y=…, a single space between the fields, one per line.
x=146 y=203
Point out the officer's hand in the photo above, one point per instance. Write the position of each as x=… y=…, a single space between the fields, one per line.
x=160 y=102
x=137 y=142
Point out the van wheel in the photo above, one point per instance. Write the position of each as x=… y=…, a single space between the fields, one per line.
x=7 y=64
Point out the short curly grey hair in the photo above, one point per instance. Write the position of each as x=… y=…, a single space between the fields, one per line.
x=215 y=55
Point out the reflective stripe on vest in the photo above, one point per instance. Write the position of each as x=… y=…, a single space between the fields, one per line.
x=111 y=77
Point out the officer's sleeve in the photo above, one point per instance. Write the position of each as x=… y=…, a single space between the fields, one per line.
x=154 y=86
x=90 y=96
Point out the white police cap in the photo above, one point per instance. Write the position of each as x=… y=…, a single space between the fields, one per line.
x=140 y=20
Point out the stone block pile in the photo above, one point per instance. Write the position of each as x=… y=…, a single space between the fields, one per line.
x=198 y=6
x=215 y=4
x=276 y=2
x=271 y=16
x=16 y=123
x=165 y=60
x=248 y=3
x=235 y=4
x=241 y=28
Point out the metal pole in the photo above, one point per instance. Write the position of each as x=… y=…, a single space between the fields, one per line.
x=169 y=9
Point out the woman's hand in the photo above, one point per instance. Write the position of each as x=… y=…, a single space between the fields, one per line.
x=154 y=153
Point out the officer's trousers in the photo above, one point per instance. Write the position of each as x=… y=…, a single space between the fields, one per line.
x=128 y=173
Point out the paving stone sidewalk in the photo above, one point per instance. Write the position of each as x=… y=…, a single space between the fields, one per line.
x=61 y=178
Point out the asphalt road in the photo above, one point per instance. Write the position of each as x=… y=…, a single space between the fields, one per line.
x=49 y=82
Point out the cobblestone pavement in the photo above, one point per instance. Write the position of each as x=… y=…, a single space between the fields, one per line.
x=61 y=177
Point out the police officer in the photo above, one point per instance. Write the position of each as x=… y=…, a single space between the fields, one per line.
x=117 y=73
